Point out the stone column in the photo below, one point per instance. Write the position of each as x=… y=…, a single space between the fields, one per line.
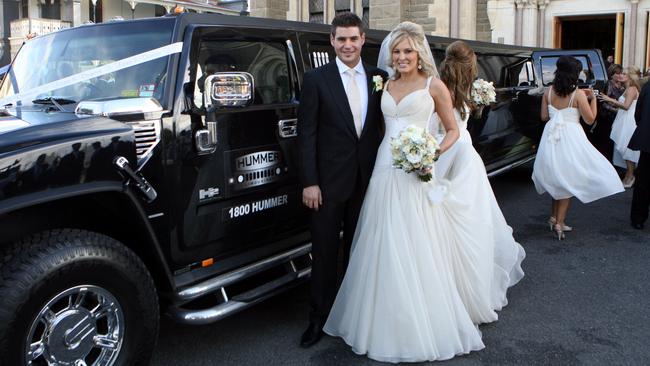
x=386 y=14
x=541 y=22
x=276 y=9
x=467 y=21
x=631 y=58
x=329 y=11
x=357 y=7
x=454 y=19
x=529 y=23
x=432 y=15
x=519 y=14
x=298 y=10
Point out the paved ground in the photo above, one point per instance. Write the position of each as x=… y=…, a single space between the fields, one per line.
x=584 y=301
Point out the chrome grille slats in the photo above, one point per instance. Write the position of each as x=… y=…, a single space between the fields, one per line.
x=147 y=135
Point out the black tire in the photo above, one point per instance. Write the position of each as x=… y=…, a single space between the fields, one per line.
x=34 y=270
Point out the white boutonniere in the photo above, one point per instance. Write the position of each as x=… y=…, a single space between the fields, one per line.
x=378 y=83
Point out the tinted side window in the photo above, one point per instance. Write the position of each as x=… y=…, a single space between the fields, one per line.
x=526 y=74
x=548 y=70
x=266 y=61
x=502 y=70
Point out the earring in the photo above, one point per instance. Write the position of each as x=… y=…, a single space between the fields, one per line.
x=419 y=65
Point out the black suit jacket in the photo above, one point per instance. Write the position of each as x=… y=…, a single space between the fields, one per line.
x=332 y=156
x=641 y=138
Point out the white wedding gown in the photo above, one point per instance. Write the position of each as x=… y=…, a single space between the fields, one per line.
x=487 y=258
x=399 y=301
x=622 y=130
x=566 y=163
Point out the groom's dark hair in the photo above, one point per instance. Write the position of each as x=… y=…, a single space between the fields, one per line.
x=346 y=20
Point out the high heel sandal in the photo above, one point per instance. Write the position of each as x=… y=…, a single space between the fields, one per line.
x=629 y=183
x=557 y=228
x=552 y=221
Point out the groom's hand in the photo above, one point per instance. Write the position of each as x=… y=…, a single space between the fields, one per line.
x=311 y=197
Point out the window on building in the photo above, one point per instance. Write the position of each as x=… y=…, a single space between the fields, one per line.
x=24 y=8
x=95 y=12
x=51 y=10
x=316 y=11
x=365 y=4
x=266 y=61
x=342 y=6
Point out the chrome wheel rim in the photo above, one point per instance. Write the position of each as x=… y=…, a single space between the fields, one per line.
x=81 y=326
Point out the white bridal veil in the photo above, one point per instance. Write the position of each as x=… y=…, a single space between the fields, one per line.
x=384 y=61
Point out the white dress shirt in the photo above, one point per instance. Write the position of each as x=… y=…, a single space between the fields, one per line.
x=362 y=84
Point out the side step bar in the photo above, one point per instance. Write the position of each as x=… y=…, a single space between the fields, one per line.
x=511 y=166
x=240 y=301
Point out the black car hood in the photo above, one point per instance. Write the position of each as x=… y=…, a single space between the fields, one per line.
x=25 y=127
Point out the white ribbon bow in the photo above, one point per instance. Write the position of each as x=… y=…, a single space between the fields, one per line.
x=557 y=124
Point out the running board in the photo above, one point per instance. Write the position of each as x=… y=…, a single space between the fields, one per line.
x=228 y=305
x=216 y=313
x=510 y=166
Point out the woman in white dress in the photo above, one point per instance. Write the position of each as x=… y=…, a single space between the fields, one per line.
x=566 y=164
x=398 y=301
x=489 y=259
x=624 y=124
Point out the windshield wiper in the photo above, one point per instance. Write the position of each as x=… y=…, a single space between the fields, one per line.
x=56 y=101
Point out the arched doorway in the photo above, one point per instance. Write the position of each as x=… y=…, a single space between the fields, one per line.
x=589 y=32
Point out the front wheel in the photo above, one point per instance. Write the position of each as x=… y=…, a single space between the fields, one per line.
x=72 y=297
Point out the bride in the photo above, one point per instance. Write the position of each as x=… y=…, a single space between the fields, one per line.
x=487 y=258
x=399 y=301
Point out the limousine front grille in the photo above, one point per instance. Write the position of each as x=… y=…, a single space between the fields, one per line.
x=147 y=135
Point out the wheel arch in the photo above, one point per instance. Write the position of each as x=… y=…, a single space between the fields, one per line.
x=103 y=207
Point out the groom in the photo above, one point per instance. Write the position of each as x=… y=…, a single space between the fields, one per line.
x=340 y=129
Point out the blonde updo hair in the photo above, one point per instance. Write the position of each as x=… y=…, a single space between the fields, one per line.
x=634 y=75
x=415 y=34
x=458 y=71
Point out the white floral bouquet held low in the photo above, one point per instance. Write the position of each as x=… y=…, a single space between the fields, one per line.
x=483 y=92
x=415 y=150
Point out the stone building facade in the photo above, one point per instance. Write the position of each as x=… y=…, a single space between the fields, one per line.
x=451 y=18
x=617 y=27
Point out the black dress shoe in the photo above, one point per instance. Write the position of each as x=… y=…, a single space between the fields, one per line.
x=637 y=225
x=312 y=335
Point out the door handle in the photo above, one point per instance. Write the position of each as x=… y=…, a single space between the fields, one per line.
x=206 y=139
x=288 y=128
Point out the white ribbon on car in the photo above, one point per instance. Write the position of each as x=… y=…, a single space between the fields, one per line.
x=96 y=72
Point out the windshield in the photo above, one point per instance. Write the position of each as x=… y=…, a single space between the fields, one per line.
x=58 y=55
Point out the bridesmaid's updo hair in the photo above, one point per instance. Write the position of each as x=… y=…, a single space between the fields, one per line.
x=415 y=35
x=458 y=71
x=566 y=75
x=634 y=74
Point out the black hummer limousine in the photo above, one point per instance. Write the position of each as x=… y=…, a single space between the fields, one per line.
x=151 y=164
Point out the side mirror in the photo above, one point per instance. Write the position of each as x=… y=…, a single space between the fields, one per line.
x=228 y=89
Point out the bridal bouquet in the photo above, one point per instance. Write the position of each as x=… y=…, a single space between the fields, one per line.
x=483 y=92
x=415 y=150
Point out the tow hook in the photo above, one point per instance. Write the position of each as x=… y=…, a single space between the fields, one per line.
x=135 y=178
